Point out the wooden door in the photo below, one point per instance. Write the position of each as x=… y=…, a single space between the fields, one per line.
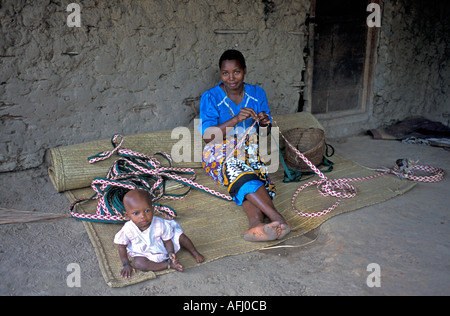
x=341 y=64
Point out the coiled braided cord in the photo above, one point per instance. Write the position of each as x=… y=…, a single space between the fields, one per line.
x=341 y=188
x=136 y=170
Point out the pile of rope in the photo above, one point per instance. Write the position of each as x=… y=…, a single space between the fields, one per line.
x=135 y=170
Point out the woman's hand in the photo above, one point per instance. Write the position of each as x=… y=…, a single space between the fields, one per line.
x=264 y=119
x=211 y=133
x=245 y=114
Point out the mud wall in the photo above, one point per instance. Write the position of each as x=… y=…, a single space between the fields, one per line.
x=412 y=74
x=133 y=66
x=141 y=65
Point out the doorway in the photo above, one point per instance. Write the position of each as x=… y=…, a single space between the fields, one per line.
x=343 y=59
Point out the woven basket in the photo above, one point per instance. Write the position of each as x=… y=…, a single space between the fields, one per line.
x=310 y=142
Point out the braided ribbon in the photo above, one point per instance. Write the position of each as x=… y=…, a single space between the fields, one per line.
x=437 y=174
x=341 y=188
x=135 y=170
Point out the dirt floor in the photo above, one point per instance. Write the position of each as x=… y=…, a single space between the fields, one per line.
x=407 y=237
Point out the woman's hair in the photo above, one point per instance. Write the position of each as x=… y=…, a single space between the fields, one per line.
x=233 y=54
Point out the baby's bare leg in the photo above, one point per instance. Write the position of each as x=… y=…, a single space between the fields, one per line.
x=186 y=243
x=143 y=264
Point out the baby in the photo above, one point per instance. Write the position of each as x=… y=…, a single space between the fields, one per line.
x=152 y=241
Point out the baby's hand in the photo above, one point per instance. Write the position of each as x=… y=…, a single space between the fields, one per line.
x=173 y=257
x=126 y=271
x=174 y=262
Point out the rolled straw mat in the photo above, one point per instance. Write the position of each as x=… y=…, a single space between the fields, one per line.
x=216 y=227
x=69 y=167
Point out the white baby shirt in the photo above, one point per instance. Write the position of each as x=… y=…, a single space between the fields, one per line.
x=149 y=243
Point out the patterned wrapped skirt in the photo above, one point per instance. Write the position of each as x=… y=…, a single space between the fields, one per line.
x=244 y=172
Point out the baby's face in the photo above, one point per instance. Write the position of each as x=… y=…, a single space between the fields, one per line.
x=140 y=211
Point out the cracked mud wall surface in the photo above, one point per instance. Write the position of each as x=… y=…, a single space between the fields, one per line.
x=132 y=66
x=140 y=66
x=412 y=74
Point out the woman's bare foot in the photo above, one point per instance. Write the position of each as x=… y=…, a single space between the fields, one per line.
x=263 y=232
x=285 y=229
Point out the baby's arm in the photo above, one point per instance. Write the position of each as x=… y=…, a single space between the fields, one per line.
x=127 y=268
x=170 y=250
x=173 y=260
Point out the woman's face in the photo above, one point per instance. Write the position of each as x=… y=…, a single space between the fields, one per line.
x=232 y=74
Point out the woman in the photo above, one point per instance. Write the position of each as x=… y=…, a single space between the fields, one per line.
x=227 y=111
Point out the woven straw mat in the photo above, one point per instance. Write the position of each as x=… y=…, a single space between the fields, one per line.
x=215 y=226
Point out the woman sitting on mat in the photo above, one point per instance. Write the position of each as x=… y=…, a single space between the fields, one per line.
x=227 y=111
x=152 y=241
